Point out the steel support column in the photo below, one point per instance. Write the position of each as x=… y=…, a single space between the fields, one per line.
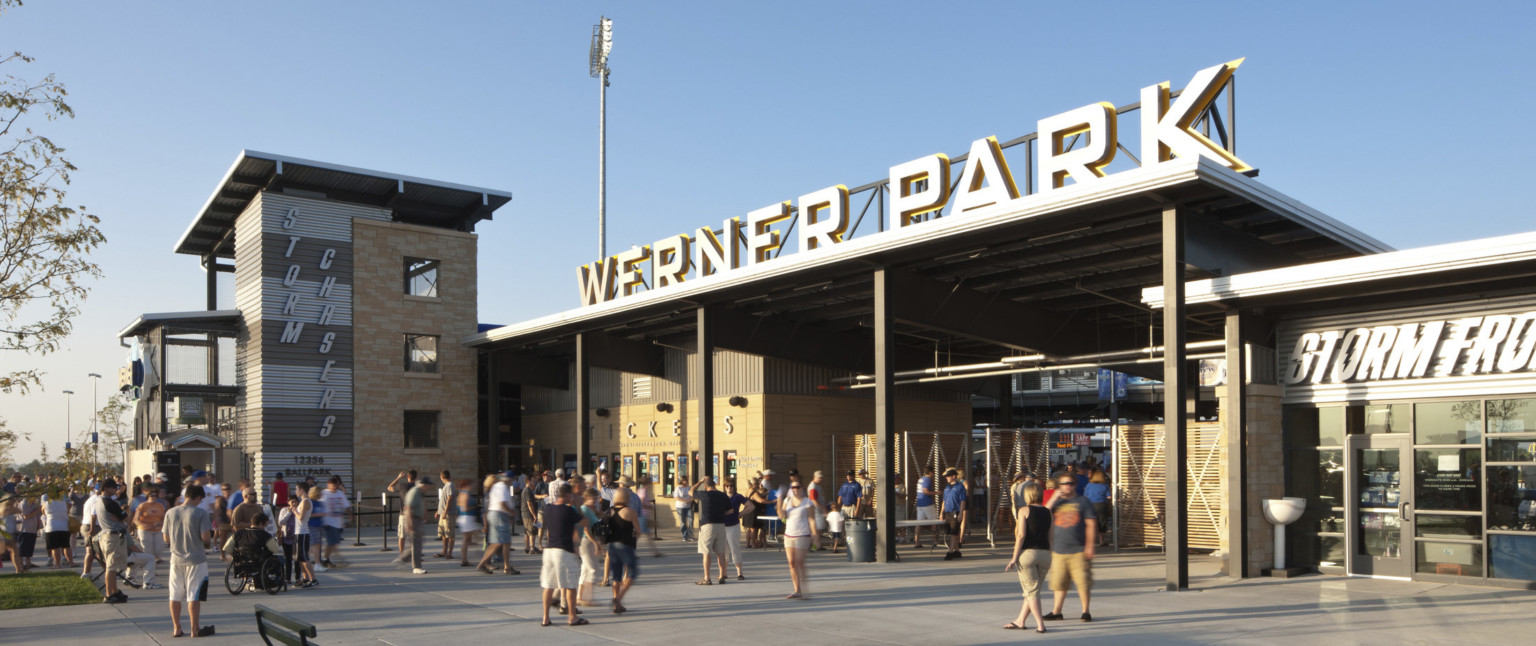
x=705 y=355
x=1234 y=424
x=885 y=421
x=212 y=263
x=493 y=455
x=1175 y=419
x=583 y=404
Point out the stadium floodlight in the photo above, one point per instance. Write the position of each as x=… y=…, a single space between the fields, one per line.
x=602 y=46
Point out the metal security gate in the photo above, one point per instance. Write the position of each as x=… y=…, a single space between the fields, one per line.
x=1140 y=463
x=1011 y=451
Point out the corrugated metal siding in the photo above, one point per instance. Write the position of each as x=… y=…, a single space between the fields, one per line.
x=1454 y=386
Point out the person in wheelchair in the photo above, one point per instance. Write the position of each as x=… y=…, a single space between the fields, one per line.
x=252 y=546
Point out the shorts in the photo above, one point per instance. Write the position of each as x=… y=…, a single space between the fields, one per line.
x=952 y=523
x=1074 y=566
x=113 y=548
x=1104 y=513
x=622 y=563
x=332 y=535
x=469 y=524
x=712 y=539
x=189 y=581
x=797 y=542
x=301 y=548
x=733 y=542
x=928 y=513
x=445 y=527
x=500 y=531
x=561 y=571
x=26 y=544
x=1034 y=565
x=57 y=540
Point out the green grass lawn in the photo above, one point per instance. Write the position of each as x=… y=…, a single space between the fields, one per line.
x=40 y=589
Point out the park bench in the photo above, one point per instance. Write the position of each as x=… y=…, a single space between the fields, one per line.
x=276 y=626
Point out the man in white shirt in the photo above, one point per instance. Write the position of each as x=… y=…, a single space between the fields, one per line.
x=210 y=490
x=336 y=505
x=87 y=528
x=498 y=524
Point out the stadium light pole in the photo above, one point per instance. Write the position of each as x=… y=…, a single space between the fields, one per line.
x=602 y=45
x=67 y=397
x=95 y=412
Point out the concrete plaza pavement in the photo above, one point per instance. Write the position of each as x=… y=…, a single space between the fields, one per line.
x=922 y=600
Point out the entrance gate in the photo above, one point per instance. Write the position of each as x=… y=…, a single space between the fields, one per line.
x=1140 y=464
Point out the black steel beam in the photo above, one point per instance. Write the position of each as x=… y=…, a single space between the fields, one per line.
x=984 y=316
x=704 y=353
x=211 y=266
x=624 y=355
x=885 y=417
x=583 y=401
x=1225 y=251
x=532 y=370
x=1175 y=376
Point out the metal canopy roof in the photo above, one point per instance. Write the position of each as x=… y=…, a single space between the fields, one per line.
x=1459 y=270
x=1062 y=277
x=202 y=321
x=411 y=199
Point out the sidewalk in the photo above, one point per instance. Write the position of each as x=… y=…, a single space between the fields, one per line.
x=922 y=600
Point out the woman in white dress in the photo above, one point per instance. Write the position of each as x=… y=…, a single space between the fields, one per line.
x=797 y=511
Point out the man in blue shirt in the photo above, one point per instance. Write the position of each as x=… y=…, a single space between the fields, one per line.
x=925 y=507
x=851 y=495
x=953 y=511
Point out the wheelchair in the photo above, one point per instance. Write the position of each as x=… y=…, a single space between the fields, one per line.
x=254 y=568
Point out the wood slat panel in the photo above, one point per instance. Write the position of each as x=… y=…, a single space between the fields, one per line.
x=1140 y=472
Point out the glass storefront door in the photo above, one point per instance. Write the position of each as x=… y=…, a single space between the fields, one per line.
x=1380 y=496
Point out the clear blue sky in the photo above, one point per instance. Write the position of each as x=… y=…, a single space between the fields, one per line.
x=1401 y=119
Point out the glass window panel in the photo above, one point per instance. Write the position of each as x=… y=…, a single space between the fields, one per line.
x=1318 y=476
x=1387 y=418
x=421 y=429
x=1322 y=519
x=1330 y=426
x=421 y=276
x=1380 y=477
x=1511 y=415
x=1315 y=549
x=1512 y=498
x=1447 y=479
x=1462 y=559
x=421 y=353
x=1452 y=527
x=1448 y=423
x=1508 y=449
x=1300 y=426
x=1381 y=534
x=1513 y=557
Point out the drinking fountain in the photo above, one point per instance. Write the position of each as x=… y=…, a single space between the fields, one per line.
x=1281 y=512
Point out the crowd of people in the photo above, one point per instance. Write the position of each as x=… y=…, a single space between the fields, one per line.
x=586 y=530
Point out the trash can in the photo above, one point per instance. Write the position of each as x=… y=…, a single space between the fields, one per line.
x=861 y=539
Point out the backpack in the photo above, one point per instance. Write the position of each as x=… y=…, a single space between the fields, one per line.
x=603 y=530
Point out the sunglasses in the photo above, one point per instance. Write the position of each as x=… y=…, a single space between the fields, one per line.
x=1066 y=483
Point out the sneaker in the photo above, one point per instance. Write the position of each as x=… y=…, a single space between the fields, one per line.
x=957 y=553
x=949 y=556
x=1052 y=616
x=154 y=586
x=320 y=568
x=1087 y=617
x=418 y=571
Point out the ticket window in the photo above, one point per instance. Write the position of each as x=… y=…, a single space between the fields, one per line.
x=629 y=466
x=642 y=466
x=654 y=466
x=613 y=466
x=668 y=473
x=731 y=464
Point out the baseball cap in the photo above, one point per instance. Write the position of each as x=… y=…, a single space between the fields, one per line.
x=108 y=484
x=199 y=474
x=424 y=480
x=508 y=475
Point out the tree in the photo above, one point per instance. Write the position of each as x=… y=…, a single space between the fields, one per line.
x=8 y=440
x=45 y=245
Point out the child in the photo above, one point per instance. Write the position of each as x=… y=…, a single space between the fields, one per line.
x=255 y=536
x=141 y=564
x=835 y=520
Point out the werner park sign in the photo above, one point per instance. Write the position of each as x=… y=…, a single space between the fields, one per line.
x=923 y=186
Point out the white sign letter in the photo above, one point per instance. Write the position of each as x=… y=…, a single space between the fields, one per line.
x=1167 y=132
x=326 y=258
x=917 y=187
x=669 y=262
x=762 y=238
x=823 y=217
x=1084 y=164
x=986 y=164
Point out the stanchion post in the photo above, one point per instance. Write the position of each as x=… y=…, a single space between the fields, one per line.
x=357 y=522
x=384 y=526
